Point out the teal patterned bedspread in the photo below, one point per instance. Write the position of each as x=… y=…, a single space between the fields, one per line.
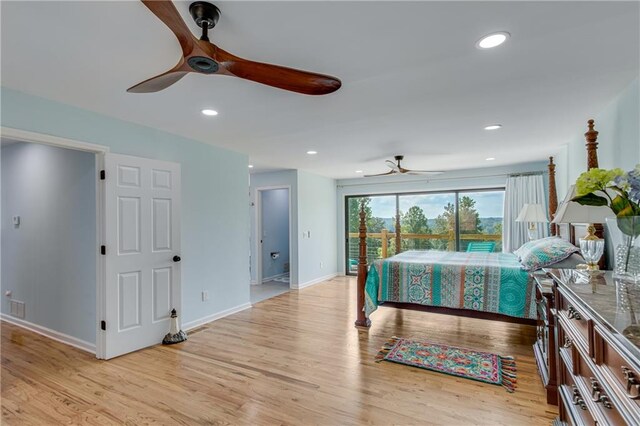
x=489 y=282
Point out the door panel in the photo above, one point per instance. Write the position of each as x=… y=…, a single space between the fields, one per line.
x=142 y=224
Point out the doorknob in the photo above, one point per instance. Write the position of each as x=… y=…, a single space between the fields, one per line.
x=176 y=258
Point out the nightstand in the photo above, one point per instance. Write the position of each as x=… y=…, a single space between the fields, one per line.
x=544 y=348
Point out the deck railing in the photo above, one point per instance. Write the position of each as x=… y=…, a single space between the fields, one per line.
x=382 y=250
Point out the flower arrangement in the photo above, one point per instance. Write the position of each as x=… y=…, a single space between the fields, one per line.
x=615 y=189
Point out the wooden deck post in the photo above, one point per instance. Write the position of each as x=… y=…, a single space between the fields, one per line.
x=361 y=320
x=553 y=196
x=398 y=236
x=385 y=242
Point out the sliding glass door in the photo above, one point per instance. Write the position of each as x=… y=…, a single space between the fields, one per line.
x=428 y=221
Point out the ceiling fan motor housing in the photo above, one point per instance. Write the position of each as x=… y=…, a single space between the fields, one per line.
x=204 y=13
x=203 y=64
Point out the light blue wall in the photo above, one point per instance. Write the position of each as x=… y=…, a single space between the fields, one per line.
x=313 y=206
x=284 y=178
x=619 y=139
x=275 y=231
x=317 y=256
x=215 y=218
x=490 y=177
x=49 y=260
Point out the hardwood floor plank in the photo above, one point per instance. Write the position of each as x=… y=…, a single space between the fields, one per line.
x=294 y=359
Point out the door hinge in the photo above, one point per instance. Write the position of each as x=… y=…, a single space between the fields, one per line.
x=103 y=175
x=103 y=325
x=103 y=250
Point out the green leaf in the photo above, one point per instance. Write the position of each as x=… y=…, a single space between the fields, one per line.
x=591 y=200
x=621 y=206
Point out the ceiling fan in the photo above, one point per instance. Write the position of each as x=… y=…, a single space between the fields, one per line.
x=396 y=168
x=201 y=56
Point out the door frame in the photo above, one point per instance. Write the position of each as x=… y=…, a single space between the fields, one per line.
x=258 y=227
x=99 y=152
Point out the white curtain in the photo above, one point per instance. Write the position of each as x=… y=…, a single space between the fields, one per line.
x=521 y=190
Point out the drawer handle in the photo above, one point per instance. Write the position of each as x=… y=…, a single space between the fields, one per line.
x=633 y=386
x=567 y=342
x=573 y=314
x=597 y=395
x=577 y=398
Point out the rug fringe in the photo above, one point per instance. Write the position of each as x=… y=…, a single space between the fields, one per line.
x=389 y=344
x=508 y=364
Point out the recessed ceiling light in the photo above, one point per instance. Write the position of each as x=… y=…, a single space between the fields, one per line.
x=490 y=158
x=358 y=171
x=209 y=112
x=493 y=127
x=312 y=152
x=251 y=166
x=492 y=40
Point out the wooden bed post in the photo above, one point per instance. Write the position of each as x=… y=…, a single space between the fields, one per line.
x=592 y=163
x=592 y=146
x=553 y=195
x=361 y=320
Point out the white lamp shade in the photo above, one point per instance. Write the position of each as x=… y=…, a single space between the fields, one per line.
x=572 y=212
x=532 y=213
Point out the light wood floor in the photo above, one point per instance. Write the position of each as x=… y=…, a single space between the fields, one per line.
x=293 y=359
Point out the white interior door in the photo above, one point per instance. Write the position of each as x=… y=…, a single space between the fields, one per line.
x=142 y=235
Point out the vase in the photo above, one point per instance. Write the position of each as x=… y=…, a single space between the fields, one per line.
x=625 y=236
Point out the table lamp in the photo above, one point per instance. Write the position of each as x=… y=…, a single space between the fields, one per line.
x=532 y=213
x=569 y=211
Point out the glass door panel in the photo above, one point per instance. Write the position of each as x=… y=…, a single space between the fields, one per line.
x=480 y=214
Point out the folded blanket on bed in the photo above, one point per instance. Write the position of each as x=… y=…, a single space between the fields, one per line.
x=489 y=282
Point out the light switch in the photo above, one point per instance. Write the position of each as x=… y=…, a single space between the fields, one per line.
x=16 y=220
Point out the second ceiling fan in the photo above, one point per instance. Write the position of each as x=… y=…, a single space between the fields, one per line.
x=397 y=169
x=202 y=56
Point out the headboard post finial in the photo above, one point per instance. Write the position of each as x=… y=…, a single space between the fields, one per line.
x=553 y=195
x=592 y=145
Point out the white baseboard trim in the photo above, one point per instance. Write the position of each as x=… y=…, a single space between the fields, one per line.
x=52 y=334
x=313 y=282
x=253 y=282
x=209 y=318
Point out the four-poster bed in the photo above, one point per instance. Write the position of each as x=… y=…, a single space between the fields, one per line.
x=489 y=269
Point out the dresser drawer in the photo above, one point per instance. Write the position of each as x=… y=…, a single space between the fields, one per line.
x=600 y=402
x=576 y=320
x=573 y=407
x=623 y=374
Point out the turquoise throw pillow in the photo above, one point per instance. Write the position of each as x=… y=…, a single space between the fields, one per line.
x=544 y=252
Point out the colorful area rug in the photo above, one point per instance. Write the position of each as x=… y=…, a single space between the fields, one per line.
x=481 y=366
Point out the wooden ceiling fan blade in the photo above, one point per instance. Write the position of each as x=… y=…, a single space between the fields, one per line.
x=159 y=82
x=298 y=81
x=392 y=165
x=423 y=172
x=166 y=11
x=390 y=172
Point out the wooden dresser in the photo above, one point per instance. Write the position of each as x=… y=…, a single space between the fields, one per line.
x=597 y=332
x=544 y=348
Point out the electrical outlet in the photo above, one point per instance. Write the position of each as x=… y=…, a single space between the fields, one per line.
x=205 y=296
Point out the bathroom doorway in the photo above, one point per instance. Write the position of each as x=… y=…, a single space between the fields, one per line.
x=273 y=238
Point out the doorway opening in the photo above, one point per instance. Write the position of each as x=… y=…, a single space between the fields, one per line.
x=132 y=242
x=50 y=233
x=273 y=243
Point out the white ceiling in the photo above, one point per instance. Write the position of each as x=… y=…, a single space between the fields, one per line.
x=413 y=81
